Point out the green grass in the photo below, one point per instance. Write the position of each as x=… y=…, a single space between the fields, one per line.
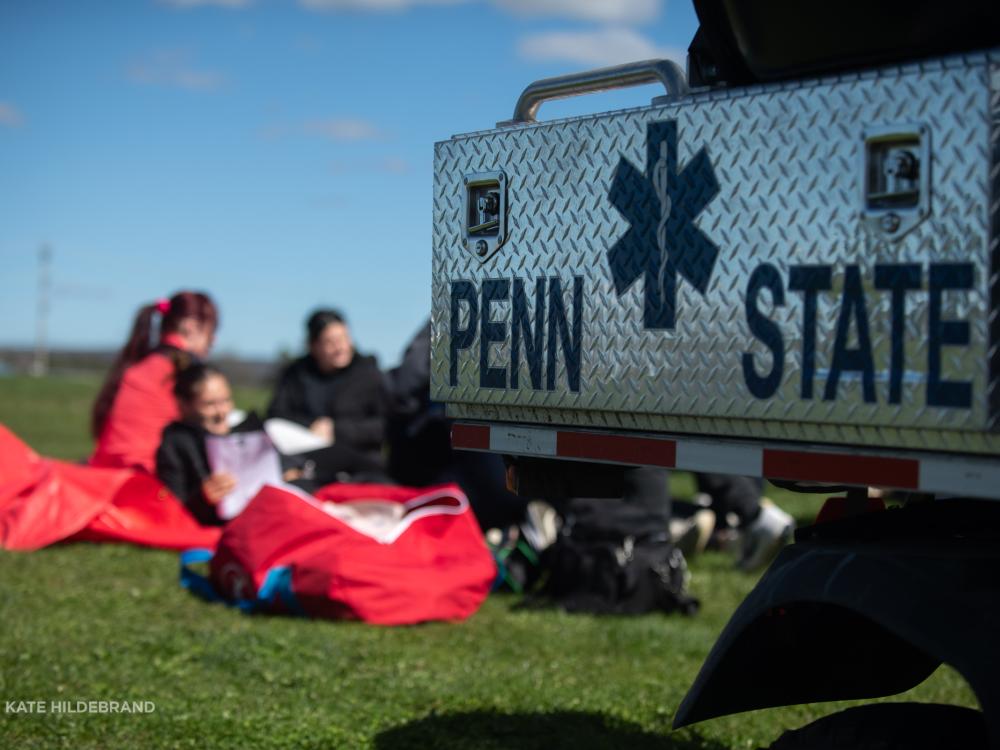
x=91 y=622
x=53 y=414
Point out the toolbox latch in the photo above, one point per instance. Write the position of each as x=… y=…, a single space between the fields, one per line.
x=485 y=213
x=896 y=178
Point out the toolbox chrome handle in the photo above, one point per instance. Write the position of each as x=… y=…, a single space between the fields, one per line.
x=666 y=72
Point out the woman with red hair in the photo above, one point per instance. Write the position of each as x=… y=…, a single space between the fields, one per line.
x=137 y=400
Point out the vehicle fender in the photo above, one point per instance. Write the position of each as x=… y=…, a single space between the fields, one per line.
x=842 y=618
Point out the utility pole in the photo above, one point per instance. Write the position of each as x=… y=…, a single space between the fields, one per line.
x=40 y=363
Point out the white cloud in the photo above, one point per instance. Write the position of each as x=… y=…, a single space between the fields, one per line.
x=609 y=46
x=185 y=4
x=344 y=129
x=10 y=116
x=603 y=11
x=371 y=5
x=173 y=69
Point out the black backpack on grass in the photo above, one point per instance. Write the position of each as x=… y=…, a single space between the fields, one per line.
x=614 y=557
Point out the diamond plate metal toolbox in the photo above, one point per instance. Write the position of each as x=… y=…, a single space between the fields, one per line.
x=811 y=261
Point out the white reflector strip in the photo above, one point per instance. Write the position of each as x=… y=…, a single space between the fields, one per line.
x=522 y=440
x=694 y=455
x=960 y=476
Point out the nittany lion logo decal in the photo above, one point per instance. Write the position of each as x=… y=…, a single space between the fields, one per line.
x=663 y=242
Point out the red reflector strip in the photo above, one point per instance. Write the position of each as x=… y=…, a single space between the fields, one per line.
x=626 y=450
x=837 y=468
x=471 y=436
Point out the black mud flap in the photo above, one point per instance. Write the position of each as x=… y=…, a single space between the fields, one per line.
x=862 y=608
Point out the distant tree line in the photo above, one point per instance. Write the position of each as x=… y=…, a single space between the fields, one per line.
x=239 y=370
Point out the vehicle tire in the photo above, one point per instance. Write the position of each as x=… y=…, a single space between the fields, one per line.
x=891 y=726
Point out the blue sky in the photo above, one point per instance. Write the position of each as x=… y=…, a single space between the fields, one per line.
x=277 y=153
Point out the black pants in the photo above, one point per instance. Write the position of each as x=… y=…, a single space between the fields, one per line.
x=643 y=510
x=732 y=494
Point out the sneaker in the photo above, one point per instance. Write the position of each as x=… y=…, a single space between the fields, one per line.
x=541 y=525
x=691 y=535
x=762 y=539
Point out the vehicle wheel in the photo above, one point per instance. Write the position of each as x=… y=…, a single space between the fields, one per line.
x=891 y=726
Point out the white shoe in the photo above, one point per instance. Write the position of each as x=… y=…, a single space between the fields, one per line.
x=762 y=539
x=541 y=525
x=690 y=535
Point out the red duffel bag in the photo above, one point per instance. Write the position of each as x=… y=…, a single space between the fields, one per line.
x=377 y=553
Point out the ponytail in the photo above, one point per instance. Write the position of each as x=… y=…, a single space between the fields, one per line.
x=136 y=347
x=186 y=304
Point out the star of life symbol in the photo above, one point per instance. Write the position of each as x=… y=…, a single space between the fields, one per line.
x=660 y=248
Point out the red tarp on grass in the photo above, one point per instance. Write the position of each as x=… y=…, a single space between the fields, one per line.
x=44 y=501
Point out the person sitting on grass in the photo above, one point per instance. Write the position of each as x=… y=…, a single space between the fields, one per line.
x=206 y=409
x=215 y=478
x=340 y=396
x=136 y=401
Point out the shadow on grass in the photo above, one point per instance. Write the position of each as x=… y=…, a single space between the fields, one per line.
x=493 y=730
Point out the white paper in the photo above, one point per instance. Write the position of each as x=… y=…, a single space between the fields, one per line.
x=291 y=438
x=385 y=521
x=251 y=459
x=375 y=518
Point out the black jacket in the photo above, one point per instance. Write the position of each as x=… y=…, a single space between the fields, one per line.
x=182 y=465
x=354 y=398
x=420 y=450
x=418 y=432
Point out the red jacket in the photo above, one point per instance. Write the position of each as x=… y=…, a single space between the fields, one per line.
x=143 y=406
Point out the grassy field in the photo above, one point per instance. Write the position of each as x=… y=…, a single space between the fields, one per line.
x=91 y=622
